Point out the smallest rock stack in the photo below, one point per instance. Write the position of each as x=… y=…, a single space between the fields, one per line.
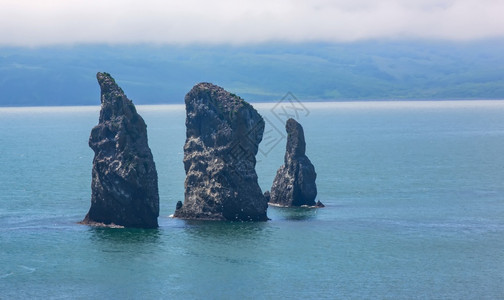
x=294 y=184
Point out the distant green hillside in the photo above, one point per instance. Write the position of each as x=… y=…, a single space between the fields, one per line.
x=163 y=74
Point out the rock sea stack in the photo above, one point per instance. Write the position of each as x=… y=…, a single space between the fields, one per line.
x=124 y=187
x=223 y=133
x=294 y=184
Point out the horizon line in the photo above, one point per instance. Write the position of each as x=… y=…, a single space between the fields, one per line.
x=266 y=104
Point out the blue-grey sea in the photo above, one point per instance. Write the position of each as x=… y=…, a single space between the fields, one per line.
x=414 y=195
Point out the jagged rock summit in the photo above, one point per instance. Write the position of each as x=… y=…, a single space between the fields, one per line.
x=124 y=187
x=294 y=184
x=223 y=133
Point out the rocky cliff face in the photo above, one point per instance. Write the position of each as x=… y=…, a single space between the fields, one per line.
x=124 y=188
x=294 y=184
x=222 y=139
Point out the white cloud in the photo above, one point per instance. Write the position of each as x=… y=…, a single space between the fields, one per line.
x=47 y=22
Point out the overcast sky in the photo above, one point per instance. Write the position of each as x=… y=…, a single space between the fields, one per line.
x=50 y=22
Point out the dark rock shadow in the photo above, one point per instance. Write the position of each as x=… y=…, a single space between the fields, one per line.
x=295 y=213
x=225 y=229
x=125 y=236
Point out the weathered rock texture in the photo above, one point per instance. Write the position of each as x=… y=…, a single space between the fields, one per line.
x=294 y=184
x=222 y=139
x=124 y=187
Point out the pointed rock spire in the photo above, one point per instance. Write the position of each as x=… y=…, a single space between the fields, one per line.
x=124 y=187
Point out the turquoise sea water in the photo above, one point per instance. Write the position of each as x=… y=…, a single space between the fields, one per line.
x=414 y=195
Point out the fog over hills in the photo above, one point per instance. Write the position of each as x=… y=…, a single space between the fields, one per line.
x=370 y=70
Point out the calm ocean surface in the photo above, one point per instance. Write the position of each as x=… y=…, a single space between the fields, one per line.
x=414 y=195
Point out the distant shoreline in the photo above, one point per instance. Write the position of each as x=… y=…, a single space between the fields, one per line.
x=308 y=104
